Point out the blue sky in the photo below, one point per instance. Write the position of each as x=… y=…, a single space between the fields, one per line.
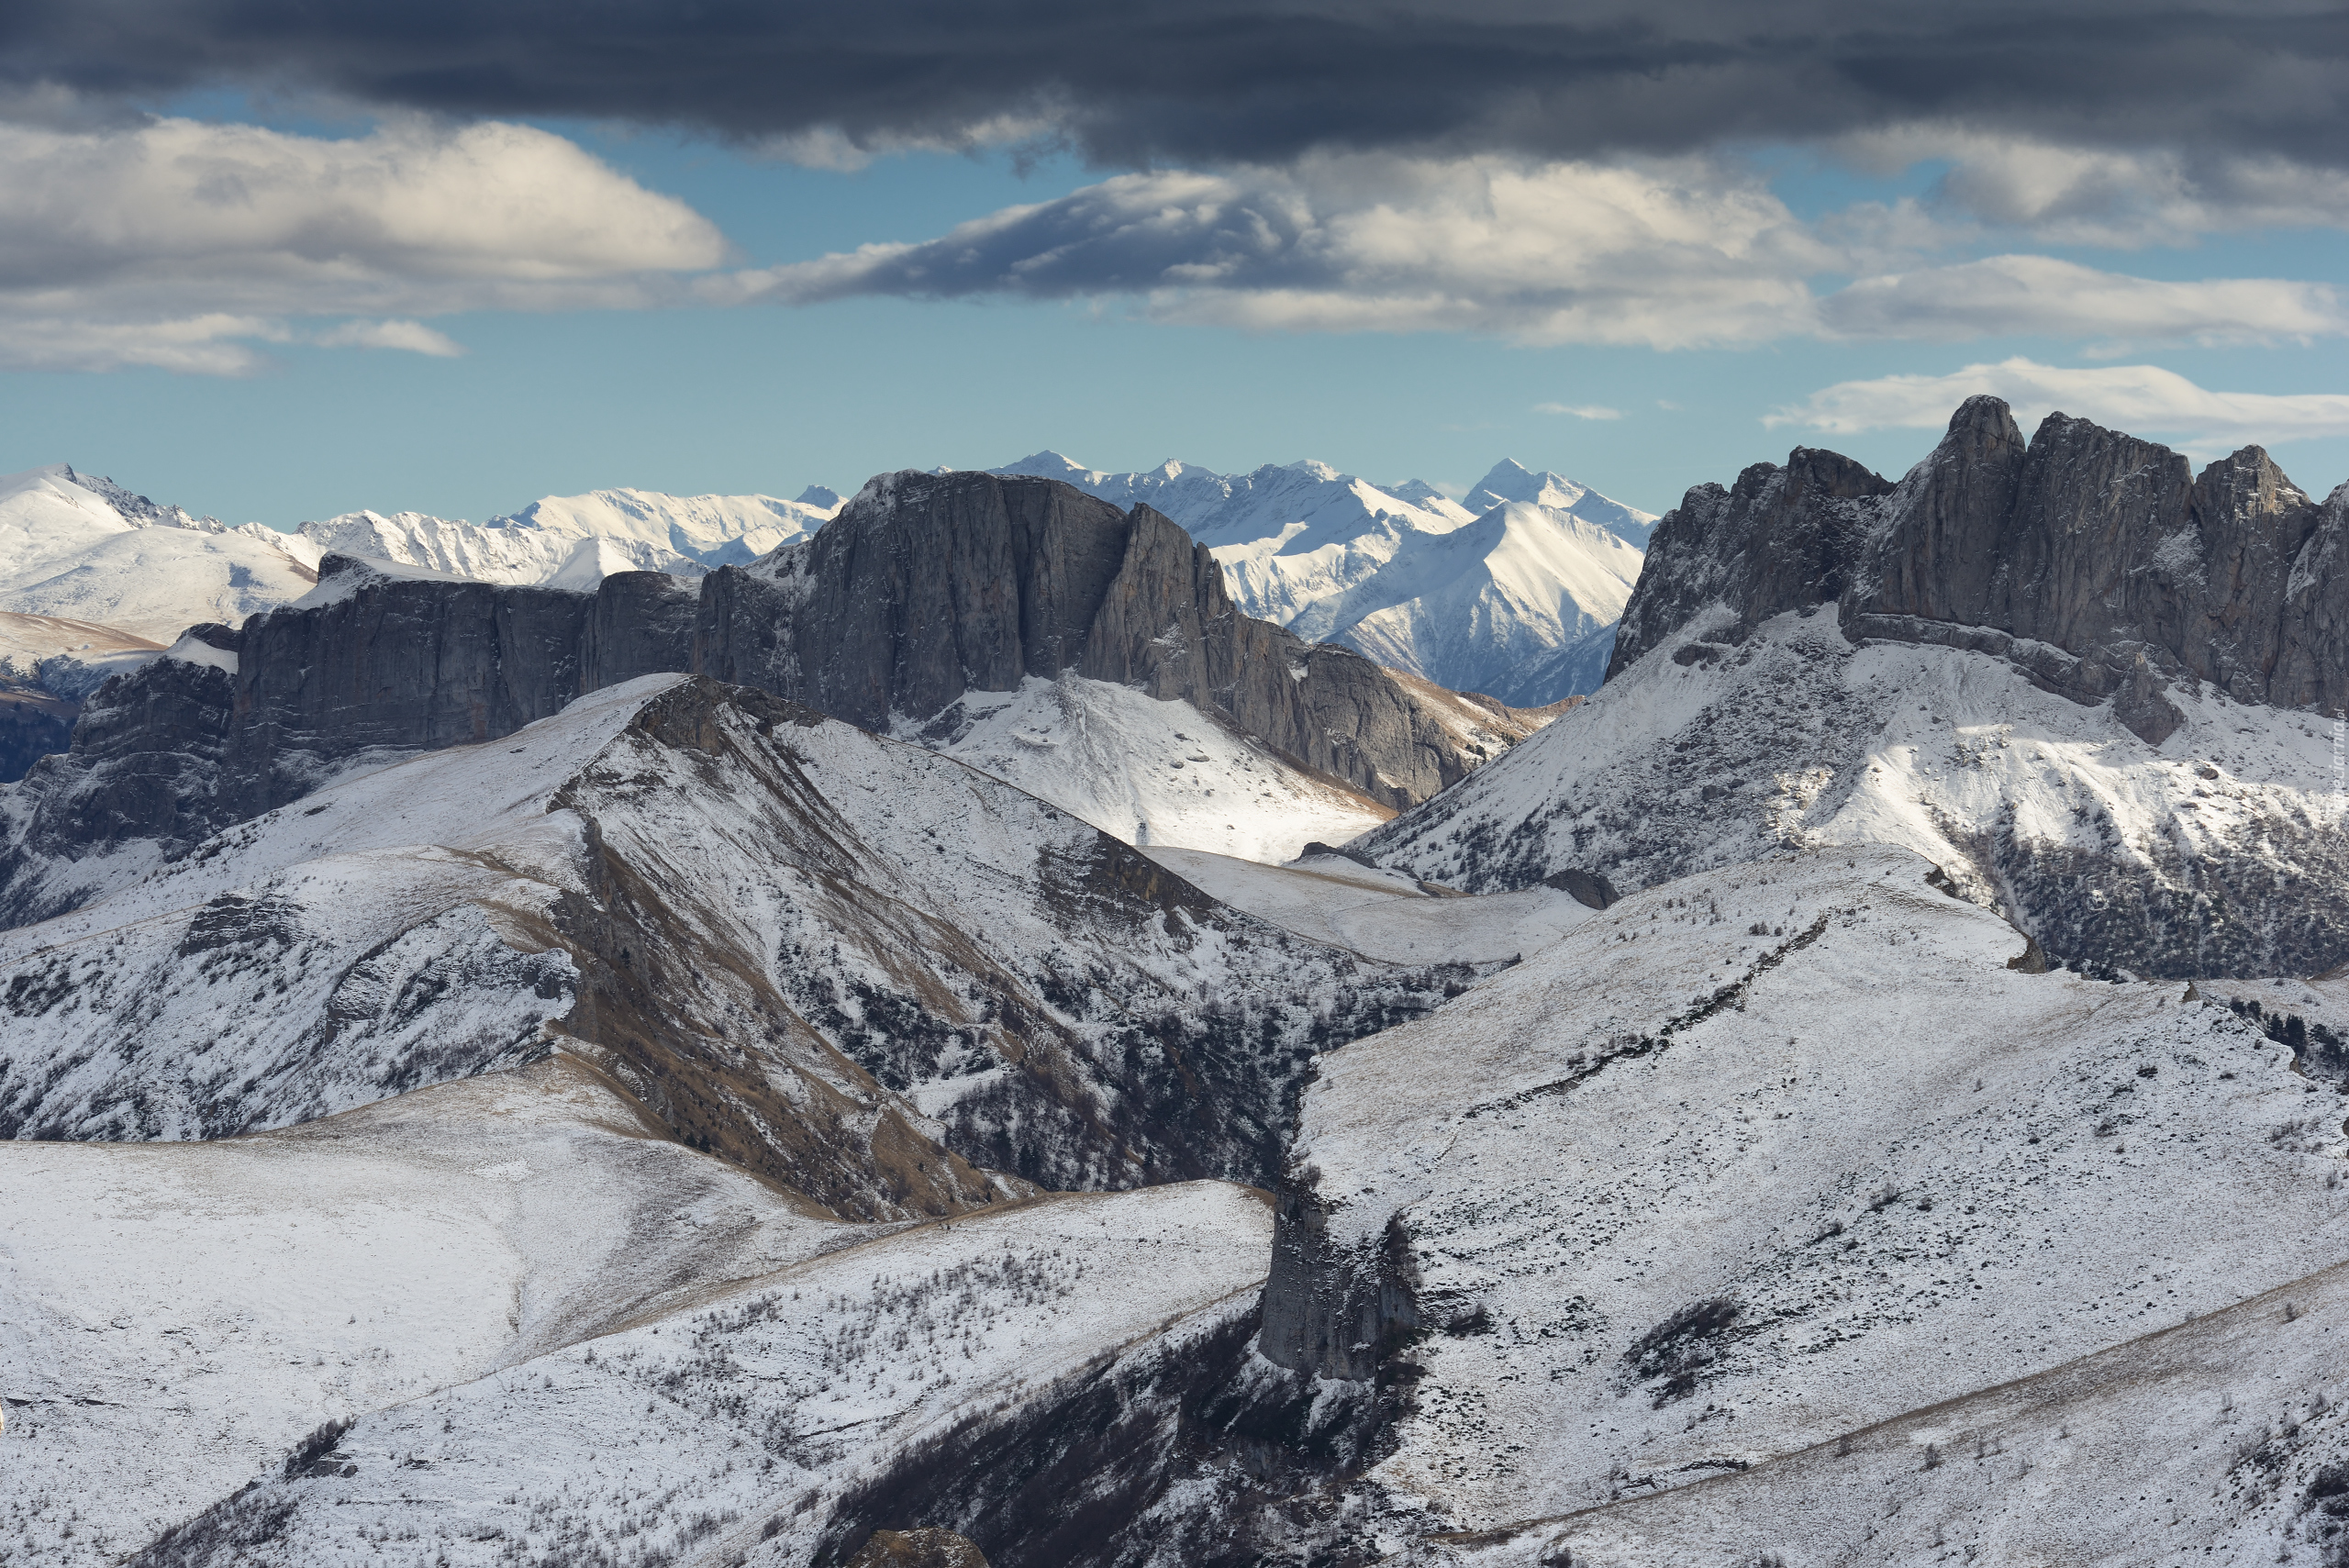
x=762 y=395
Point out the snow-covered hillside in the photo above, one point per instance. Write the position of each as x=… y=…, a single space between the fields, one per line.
x=1150 y=772
x=2220 y=850
x=828 y=955
x=73 y=547
x=1696 y=1199
x=1381 y=914
x=1461 y=594
x=506 y=1320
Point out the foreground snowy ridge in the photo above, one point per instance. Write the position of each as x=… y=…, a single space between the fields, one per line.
x=499 y=1321
x=1758 y=1161
x=858 y=967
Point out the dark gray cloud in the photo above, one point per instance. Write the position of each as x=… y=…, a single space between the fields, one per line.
x=1246 y=80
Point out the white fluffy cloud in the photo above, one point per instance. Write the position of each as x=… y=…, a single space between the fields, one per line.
x=177 y=243
x=192 y=245
x=2143 y=399
x=1579 y=410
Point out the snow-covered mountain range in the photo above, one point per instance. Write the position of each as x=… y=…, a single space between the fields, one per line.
x=76 y=547
x=727 y=1070
x=575 y=541
x=1513 y=594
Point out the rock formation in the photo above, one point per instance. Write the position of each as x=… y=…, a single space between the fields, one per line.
x=2098 y=563
x=927 y=586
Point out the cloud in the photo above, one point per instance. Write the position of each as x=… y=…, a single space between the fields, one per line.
x=413 y=336
x=212 y=344
x=1579 y=410
x=1663 y=253
x=2084 y=195
x=2143 y=399
x=2040 y=294
x=162 y=243
x=1669 y=253
x=1225 y=81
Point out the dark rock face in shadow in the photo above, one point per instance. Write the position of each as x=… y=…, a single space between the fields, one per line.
x=2098 y=563
x=928 y=586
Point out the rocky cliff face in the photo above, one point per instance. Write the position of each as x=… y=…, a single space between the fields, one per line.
x=2098 y=563
x=236 y=722
x=927 y=586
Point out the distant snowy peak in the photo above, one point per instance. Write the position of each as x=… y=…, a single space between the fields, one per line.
x=1511 y=481
x=712 y=530
x=1305 y=500
x=574 y=541
x=1484 y=596
x=48 y=514
x=76 y=547
x=1471 y=607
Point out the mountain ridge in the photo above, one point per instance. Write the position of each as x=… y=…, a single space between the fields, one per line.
x=1305 y=544
x=2106 y=768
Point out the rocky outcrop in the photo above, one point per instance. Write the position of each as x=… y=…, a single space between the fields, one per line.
x=928 y=586
x=2099 y=562
x=1782 y=538
x=1335 y=1306
x=231 y=723
x=33 y=723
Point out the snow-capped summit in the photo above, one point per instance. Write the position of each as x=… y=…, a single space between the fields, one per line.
x=75 y=547
x=1336 y=558
x=1512 y=480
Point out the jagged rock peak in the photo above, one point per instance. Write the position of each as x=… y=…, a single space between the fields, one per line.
x=2101 y=551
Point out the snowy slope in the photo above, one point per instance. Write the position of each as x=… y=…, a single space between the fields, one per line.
x=1704 y=755
x=28 y=642
x=78 y=547
x=182 y=1315
x=737 y=1432
x=546 y=1331
x=1148 y=772
x=1777 y=1153
x=1472 y=608
x=1458 y=595
x=822 y=952
x=1381 y=915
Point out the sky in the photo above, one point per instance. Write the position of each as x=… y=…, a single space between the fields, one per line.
x=275 y=261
